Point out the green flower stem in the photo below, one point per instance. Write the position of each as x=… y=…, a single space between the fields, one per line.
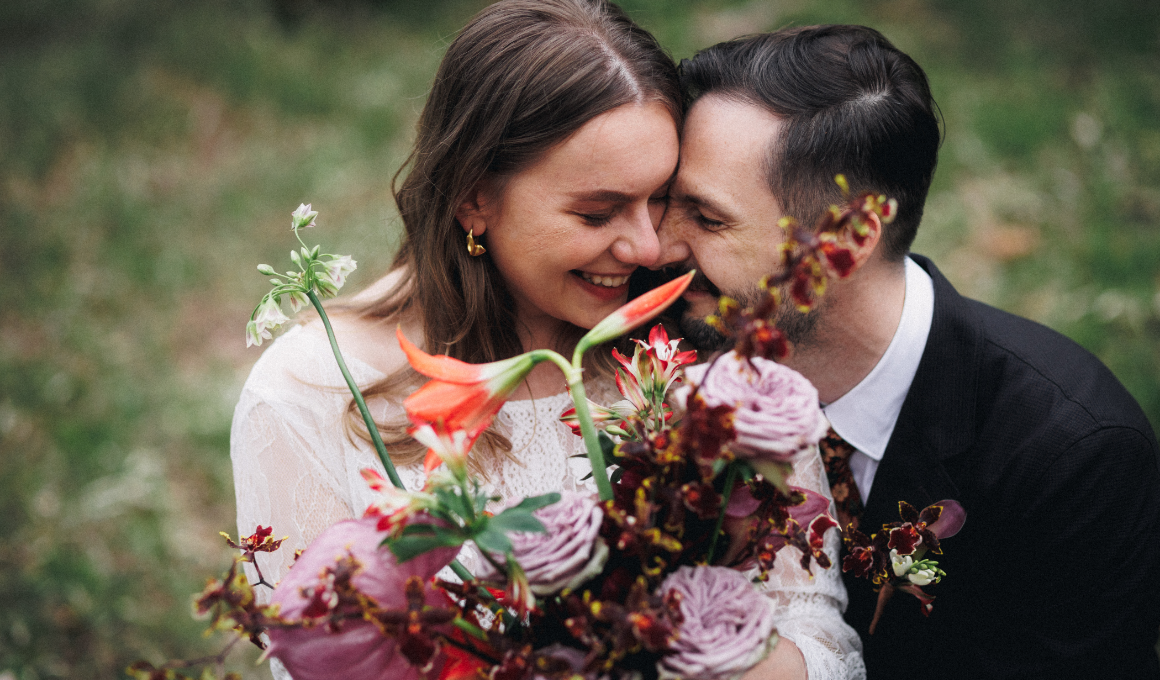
x=458 y=568
x=588 y=431
x=372 y=429
x=726 y=493
x=465 y=576
x=574 y=374
x=461 y=571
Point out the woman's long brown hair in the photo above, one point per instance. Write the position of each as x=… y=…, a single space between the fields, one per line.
x=520 y=78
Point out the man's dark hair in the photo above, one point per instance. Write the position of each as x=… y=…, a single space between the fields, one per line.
x=852 y=104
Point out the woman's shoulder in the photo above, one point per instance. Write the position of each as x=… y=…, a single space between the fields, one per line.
x=295 y=364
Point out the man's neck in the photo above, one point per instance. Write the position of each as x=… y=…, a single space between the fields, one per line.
x=858 y=320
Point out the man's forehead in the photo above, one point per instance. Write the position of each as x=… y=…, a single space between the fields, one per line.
x=725 y=148
x=732 y=121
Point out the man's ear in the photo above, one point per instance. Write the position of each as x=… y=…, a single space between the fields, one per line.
x=476 y=210
x=863 y=246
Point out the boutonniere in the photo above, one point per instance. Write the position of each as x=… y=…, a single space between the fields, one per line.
x=895 y=558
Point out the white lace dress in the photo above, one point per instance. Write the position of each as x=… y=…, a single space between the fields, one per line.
x=295 y=469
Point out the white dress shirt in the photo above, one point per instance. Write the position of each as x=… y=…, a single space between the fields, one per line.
x=865 y=416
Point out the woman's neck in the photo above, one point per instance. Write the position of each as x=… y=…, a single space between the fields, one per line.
x=546 y=379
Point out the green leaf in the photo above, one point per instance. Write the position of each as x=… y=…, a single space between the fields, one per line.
x=607 y=447
x=532 y=503
x=516 y=520
x=616 y=475
x=469 y=628
x=407 y=547
x=493 y=541
x=455 y=502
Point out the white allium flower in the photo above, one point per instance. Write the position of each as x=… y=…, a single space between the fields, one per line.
x=338 y=268
x=269 y=318
x=298 y=301
x=303 y=217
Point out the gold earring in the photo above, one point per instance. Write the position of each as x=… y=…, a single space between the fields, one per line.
x=473 y=248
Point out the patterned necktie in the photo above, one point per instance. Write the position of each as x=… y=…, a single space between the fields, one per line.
x=836 y=455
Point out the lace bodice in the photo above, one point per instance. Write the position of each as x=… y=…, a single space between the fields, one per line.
x=297 y=470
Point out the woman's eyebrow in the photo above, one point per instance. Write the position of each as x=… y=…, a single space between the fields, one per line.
x=602 y=196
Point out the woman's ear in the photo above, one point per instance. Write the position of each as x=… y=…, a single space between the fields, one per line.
x=475 y=211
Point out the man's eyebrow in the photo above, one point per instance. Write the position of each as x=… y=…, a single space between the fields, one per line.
x=703 y=202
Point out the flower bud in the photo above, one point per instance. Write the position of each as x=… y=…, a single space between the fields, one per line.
x=267 y=270
x=922 y=577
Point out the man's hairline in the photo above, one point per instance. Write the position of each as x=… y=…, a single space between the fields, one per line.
x=774 y=153
x=772 y=156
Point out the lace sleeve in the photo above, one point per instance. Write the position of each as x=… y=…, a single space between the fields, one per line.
x=278 y=483
x=294 y=467
x=811 y=608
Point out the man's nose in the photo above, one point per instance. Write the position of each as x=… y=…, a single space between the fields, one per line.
x=673 y=246
x=638 y=244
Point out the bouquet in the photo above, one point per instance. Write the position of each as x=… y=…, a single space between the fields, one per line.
x=656 y=575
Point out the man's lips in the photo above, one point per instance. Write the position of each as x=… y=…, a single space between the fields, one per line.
x=701 y=285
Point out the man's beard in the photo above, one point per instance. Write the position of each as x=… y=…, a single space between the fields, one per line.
x=799 y=327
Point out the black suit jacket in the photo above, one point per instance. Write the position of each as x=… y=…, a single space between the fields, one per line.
x=1055 y=573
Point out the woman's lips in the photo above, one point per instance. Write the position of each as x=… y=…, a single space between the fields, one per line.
x=603 y=292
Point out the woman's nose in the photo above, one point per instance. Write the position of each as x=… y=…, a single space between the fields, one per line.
x=638 y=243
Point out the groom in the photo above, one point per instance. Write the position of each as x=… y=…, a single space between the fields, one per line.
x=1055 y=573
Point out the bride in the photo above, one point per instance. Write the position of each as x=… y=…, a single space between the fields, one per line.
x=535 y=186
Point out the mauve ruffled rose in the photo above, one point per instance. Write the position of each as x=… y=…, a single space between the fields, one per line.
x=777 y=413
x=570 y=553
x=728 y=625
x=359 y=651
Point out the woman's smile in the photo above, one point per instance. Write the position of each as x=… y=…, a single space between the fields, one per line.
x=567 y=232
x=604 y=287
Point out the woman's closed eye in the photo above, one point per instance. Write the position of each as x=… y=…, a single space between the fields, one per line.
x=595 y=219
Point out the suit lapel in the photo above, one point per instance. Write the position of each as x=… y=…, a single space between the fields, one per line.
x=936 y=424
x=937 y=420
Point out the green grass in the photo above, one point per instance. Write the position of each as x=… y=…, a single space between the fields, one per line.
x=152 y=154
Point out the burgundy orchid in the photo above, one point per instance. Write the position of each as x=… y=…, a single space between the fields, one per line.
x=893 y=559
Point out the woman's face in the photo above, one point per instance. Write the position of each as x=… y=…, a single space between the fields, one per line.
x=567 y=232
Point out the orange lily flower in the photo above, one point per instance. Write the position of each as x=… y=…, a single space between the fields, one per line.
x=636 y=312
x=462 y=396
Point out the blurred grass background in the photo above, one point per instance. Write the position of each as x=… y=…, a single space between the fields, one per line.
x=153 y=150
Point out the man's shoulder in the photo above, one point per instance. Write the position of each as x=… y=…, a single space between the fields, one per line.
x=1021 y=354
x=1027 y=371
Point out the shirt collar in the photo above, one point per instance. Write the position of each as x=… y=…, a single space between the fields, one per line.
x=865 y=416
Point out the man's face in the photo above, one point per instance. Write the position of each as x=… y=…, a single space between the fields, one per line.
x=722 y=216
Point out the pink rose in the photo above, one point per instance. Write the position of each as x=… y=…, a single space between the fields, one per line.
x=728 y=624
x=777 y=413
x=570 y=552
x=359 y=651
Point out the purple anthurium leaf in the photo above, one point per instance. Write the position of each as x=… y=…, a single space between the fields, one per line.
x=924 y=599
x=814 y=505
x=741 y=502
x=950 y=520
